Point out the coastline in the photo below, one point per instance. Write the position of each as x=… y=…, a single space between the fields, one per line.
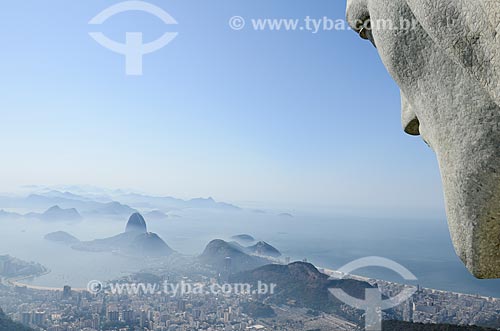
x=17 y=282
x=337 y=274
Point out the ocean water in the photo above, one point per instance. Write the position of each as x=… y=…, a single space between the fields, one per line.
x=422 y=246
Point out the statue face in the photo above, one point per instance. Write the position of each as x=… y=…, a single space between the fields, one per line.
x=447 y=65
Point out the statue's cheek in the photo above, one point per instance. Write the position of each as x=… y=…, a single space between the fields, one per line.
x=404 y=51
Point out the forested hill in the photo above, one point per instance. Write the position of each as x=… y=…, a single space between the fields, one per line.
x=6 y=324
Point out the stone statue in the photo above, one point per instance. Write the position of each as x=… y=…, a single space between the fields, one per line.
x=447 y=65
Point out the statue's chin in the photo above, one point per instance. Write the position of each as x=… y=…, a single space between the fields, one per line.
x=452 y=102
x=472 y=192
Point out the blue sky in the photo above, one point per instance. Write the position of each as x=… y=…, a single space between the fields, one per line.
x=289 y=119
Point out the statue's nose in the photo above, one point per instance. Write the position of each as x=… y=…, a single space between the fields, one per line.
x=409 y=119
x=357 y=13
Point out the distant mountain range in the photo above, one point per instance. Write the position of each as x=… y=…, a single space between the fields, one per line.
x=170 y=203
x=53 y=214
x=82 y=205
x=115 y=204
x=9 y=215
x=62 y=237
x=157 y=216
x=57 y=214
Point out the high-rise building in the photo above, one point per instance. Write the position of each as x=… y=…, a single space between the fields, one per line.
x=143 y=321
x=228 y=265
x=181 y=305
x=408 y=310
x=26 y=318
x=66 y=292
x=113 y=315
x=96 y=321
x=196 y=313
x=127 y=315
x=39 y=318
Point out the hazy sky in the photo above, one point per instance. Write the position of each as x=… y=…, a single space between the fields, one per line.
x=288 y=118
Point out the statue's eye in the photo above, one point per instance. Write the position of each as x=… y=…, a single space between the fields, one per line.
x=365 y=29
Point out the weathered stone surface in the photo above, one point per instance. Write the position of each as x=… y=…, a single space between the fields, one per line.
x=448 y=69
